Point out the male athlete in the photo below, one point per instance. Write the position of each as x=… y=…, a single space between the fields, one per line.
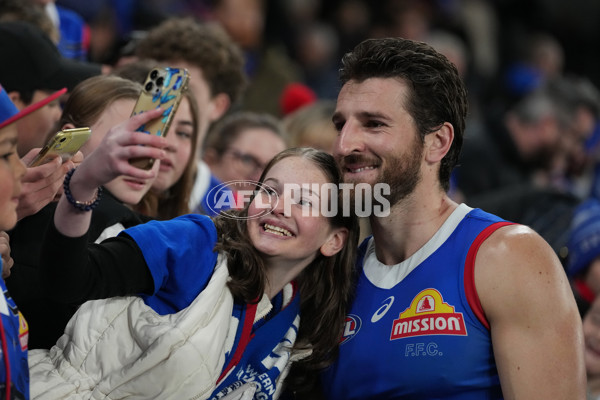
x=452 y=302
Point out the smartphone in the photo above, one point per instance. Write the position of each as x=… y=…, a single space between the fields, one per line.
x=163 y=87
x=64 y=143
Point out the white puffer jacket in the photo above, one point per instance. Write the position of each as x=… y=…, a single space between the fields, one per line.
x=120 y=348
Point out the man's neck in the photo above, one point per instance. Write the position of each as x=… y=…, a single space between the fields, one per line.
x=411 y=223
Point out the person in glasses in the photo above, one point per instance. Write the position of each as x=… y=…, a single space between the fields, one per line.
x=240 y=145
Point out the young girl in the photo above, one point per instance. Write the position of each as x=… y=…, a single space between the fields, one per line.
x=225 y=304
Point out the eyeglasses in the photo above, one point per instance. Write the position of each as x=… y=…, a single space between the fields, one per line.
x=248 y=161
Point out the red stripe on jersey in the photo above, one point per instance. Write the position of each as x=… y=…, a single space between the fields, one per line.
x=470 y=289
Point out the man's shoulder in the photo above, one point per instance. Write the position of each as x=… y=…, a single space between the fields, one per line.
x=513 y=252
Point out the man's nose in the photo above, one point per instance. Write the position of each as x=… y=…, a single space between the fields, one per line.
x=349 y=140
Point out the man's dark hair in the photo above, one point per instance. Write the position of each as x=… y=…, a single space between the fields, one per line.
x=437 y=93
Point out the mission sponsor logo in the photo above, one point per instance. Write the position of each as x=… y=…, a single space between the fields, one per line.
x=428 y=314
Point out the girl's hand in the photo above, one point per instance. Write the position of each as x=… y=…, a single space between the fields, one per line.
x=122 y=143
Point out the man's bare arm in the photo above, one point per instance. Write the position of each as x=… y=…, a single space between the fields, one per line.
x=535 y=325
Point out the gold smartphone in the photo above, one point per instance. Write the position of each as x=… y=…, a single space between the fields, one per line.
x=64 y=143
x=163 y=88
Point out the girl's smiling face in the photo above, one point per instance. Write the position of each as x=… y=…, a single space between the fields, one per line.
x=295 y=231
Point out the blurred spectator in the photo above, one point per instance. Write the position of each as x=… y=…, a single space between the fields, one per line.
x=583 y=257
x=453 y=47
x=25 y=11
x=74 y=33
x=410 y=19
x=574 y=24
x=541 y=58
x=580 y=153
x=232 y=149
x=316 y=50
x=521 y=146
x=518 y=170
x=214 y=62
x=352 y=21
x=479 y=22
x=32 y=68
x=112 y=23
x=285 y=19
x=456 y=50
x=311 y=126
x=267 y=63
x=35 y=75
x=217 y=79
x=549 y=130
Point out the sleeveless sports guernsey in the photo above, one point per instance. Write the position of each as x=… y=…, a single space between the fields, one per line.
x=416 y=329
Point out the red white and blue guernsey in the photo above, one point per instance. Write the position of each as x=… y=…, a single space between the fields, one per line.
x=416 y=330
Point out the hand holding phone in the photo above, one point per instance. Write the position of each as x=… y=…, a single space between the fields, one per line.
x=64 y=143
x=163 y=88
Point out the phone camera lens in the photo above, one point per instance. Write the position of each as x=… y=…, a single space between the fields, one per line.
x=62 y=139
x=149 y=86
x=153 y=74
x=160 y=81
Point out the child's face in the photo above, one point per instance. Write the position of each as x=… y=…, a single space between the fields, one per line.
x=295 y=230
x=11 y=172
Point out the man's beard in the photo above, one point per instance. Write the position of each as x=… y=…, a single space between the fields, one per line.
x=401 y=173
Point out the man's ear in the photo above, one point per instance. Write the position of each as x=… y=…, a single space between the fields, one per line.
x=221 y=102
x=437 y=144
x=335 y=242
x=15 y=97
x=68 y=125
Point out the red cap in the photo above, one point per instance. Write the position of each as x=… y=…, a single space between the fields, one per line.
x=295 y=96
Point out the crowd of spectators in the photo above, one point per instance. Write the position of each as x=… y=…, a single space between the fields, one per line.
x=264 y=78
